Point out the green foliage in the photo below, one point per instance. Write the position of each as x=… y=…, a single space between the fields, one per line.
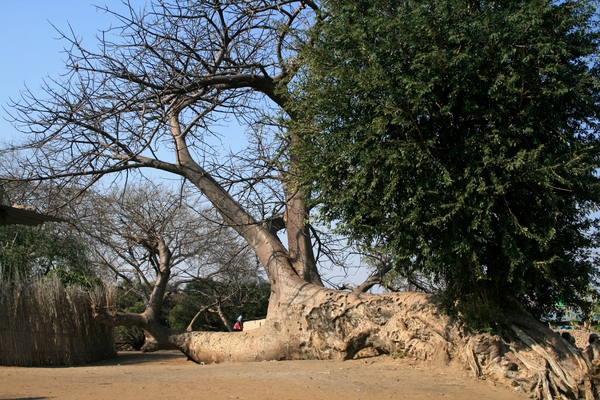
x=398 y=353
x=461 y=134
x=46 y=250
x=480 y=316
x=129 y=301
x=250 y=299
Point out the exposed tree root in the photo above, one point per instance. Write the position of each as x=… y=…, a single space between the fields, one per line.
x=319 y=323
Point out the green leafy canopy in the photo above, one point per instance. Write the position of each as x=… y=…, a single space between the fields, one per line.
x=461 y=134
x=37 y=251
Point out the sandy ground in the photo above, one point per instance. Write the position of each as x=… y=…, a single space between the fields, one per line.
x=168 y=375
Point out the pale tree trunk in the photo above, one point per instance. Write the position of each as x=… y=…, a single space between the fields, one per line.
x=201 y=311
x=298 y=234
x=307 y=321
x=223 y=318
x=312 y=322
x=109 y=131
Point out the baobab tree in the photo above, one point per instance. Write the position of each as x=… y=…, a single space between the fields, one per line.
x=152 y=97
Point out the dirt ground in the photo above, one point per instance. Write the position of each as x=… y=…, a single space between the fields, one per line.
x=168 y=375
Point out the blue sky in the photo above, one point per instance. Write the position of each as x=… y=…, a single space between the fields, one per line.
x=31 y=52
x=28 y=44
x=30 y=49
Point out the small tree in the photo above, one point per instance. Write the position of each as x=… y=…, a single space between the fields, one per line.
x=211 y=305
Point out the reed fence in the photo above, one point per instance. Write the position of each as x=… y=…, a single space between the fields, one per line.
x=43 y=323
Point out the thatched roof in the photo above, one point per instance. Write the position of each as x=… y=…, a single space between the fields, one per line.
x=15 y=215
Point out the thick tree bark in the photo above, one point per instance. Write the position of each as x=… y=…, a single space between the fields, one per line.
x=114 y=126
x=313 y=322
x=298 y=235
x=307 y=321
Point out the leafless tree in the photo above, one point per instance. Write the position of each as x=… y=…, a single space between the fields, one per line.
x=152 y=96
x=149 y=233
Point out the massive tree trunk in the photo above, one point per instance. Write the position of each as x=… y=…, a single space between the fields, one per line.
x=307 y=321
x=110 y=117
x=312 y=322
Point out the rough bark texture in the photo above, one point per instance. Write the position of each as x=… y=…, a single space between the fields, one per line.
x=319 y=323
x=307 y=321
x=192 y=63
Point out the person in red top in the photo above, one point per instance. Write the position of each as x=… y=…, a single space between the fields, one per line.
x=239 y=324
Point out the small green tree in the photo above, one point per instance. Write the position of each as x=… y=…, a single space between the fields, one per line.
x=463 y=135
x=46 y=250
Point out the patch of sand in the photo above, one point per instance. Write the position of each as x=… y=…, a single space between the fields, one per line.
x=168 y=375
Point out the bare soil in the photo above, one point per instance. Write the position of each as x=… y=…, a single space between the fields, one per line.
x=168 y=375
